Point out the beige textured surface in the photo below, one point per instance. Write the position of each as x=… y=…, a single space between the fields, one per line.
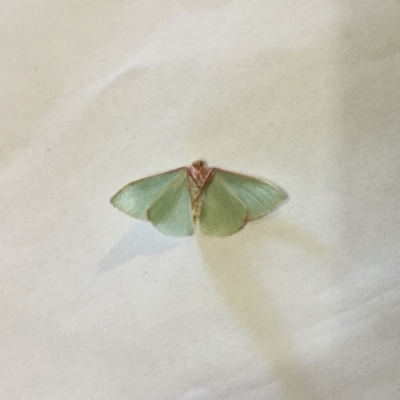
x=303 y=305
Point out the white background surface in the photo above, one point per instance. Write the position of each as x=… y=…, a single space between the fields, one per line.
x=302 y=305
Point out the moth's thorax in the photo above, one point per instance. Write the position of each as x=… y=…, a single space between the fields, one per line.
x=199 y=171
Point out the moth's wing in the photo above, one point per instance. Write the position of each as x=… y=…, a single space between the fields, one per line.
x=171 y=211
x=259 y=197
x=135 y=198
x=222 y=212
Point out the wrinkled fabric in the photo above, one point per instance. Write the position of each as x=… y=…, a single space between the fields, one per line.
x=301 y=305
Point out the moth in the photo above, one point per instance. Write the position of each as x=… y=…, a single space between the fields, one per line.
x=219 y=201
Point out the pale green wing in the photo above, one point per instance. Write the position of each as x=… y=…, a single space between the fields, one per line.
x=258 y=196
x=222 y=212
x=135 y=198
x=171 y=211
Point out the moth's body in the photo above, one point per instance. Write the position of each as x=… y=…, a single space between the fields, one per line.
x=198 y=176
x=221 y=202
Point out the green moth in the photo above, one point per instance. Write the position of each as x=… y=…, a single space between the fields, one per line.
x=221 y=202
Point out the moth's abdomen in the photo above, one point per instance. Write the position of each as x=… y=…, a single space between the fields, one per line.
x=196 y=209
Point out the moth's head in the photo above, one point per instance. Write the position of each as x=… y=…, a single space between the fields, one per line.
x=198 y=164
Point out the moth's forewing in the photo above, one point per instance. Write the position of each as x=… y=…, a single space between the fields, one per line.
x=260 y=197
x=136 y=197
